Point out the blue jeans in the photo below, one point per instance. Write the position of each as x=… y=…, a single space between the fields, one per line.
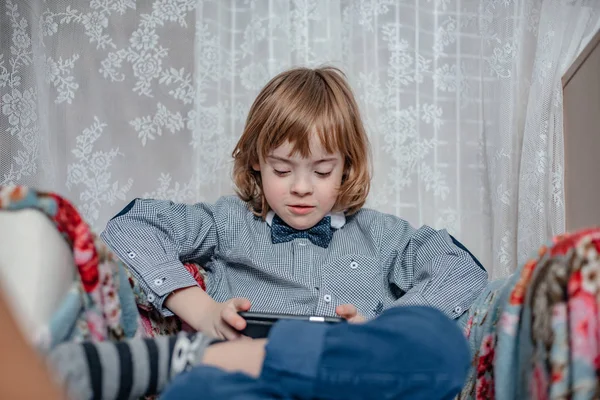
x=405 y=353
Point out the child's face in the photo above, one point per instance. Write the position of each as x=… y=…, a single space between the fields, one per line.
x=301 y=191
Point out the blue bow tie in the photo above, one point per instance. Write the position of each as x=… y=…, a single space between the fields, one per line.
x=320 y=234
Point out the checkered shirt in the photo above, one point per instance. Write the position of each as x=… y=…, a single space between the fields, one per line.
x=374 y=260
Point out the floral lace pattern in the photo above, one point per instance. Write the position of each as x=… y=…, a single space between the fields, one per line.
x=102 y=100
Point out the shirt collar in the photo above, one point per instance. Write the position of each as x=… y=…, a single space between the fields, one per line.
x=338 y=219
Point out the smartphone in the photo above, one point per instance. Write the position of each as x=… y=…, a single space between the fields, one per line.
x=258 y=324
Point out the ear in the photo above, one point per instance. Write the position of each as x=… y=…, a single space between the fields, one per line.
x=256 y=167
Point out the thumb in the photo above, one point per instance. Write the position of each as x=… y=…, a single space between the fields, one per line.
x=346 y=311
x=240 y=304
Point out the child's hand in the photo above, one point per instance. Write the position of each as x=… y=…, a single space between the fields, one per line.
x=349 y=313
x=224 y=321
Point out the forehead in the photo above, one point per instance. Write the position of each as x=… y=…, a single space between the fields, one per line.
x=316 y=149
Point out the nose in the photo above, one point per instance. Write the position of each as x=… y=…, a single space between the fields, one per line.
x=302 y=186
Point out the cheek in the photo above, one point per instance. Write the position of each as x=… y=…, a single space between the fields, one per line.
x=273 y=187
x=330 y=189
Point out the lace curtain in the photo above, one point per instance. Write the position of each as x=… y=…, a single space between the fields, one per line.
x=103 y=101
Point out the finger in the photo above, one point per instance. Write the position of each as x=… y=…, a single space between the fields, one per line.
x=229 y=333
x=240 y=304
x=233 y=319
x=346 y=311
x=357 y=319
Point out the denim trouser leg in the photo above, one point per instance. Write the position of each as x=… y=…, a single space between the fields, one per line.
x=210 y=383
x=405 y=353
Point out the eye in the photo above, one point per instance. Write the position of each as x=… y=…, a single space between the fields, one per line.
x=323 y=174
x=280 y=173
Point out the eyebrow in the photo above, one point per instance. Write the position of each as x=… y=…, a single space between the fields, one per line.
x=323 y=160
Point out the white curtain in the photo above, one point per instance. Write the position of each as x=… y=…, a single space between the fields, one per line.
x=103 y=101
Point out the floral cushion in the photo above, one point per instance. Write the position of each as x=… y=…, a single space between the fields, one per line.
x=536 y=334
x=97 y=306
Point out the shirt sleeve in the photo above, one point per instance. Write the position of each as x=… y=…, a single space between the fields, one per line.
x=153 y=237
x=429 y=269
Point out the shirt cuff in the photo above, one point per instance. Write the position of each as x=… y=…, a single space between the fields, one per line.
x=162 y=280
x=452 y=310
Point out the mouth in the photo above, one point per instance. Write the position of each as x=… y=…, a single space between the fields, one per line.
x=300 y=209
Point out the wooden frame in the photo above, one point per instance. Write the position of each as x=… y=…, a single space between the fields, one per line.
x=581 y=102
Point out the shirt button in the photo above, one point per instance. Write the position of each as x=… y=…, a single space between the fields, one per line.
x=159 y=281
x=302 y=243
x=327 y=298
x=131 y=255
x=151 y=297
x=353 y=265
x=458 y=309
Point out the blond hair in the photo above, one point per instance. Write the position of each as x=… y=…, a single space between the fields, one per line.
x=292 y=107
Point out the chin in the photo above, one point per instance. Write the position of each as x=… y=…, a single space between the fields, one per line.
x=294 y=223
x=302 y=227
x=307 y=224
x=302 y=223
